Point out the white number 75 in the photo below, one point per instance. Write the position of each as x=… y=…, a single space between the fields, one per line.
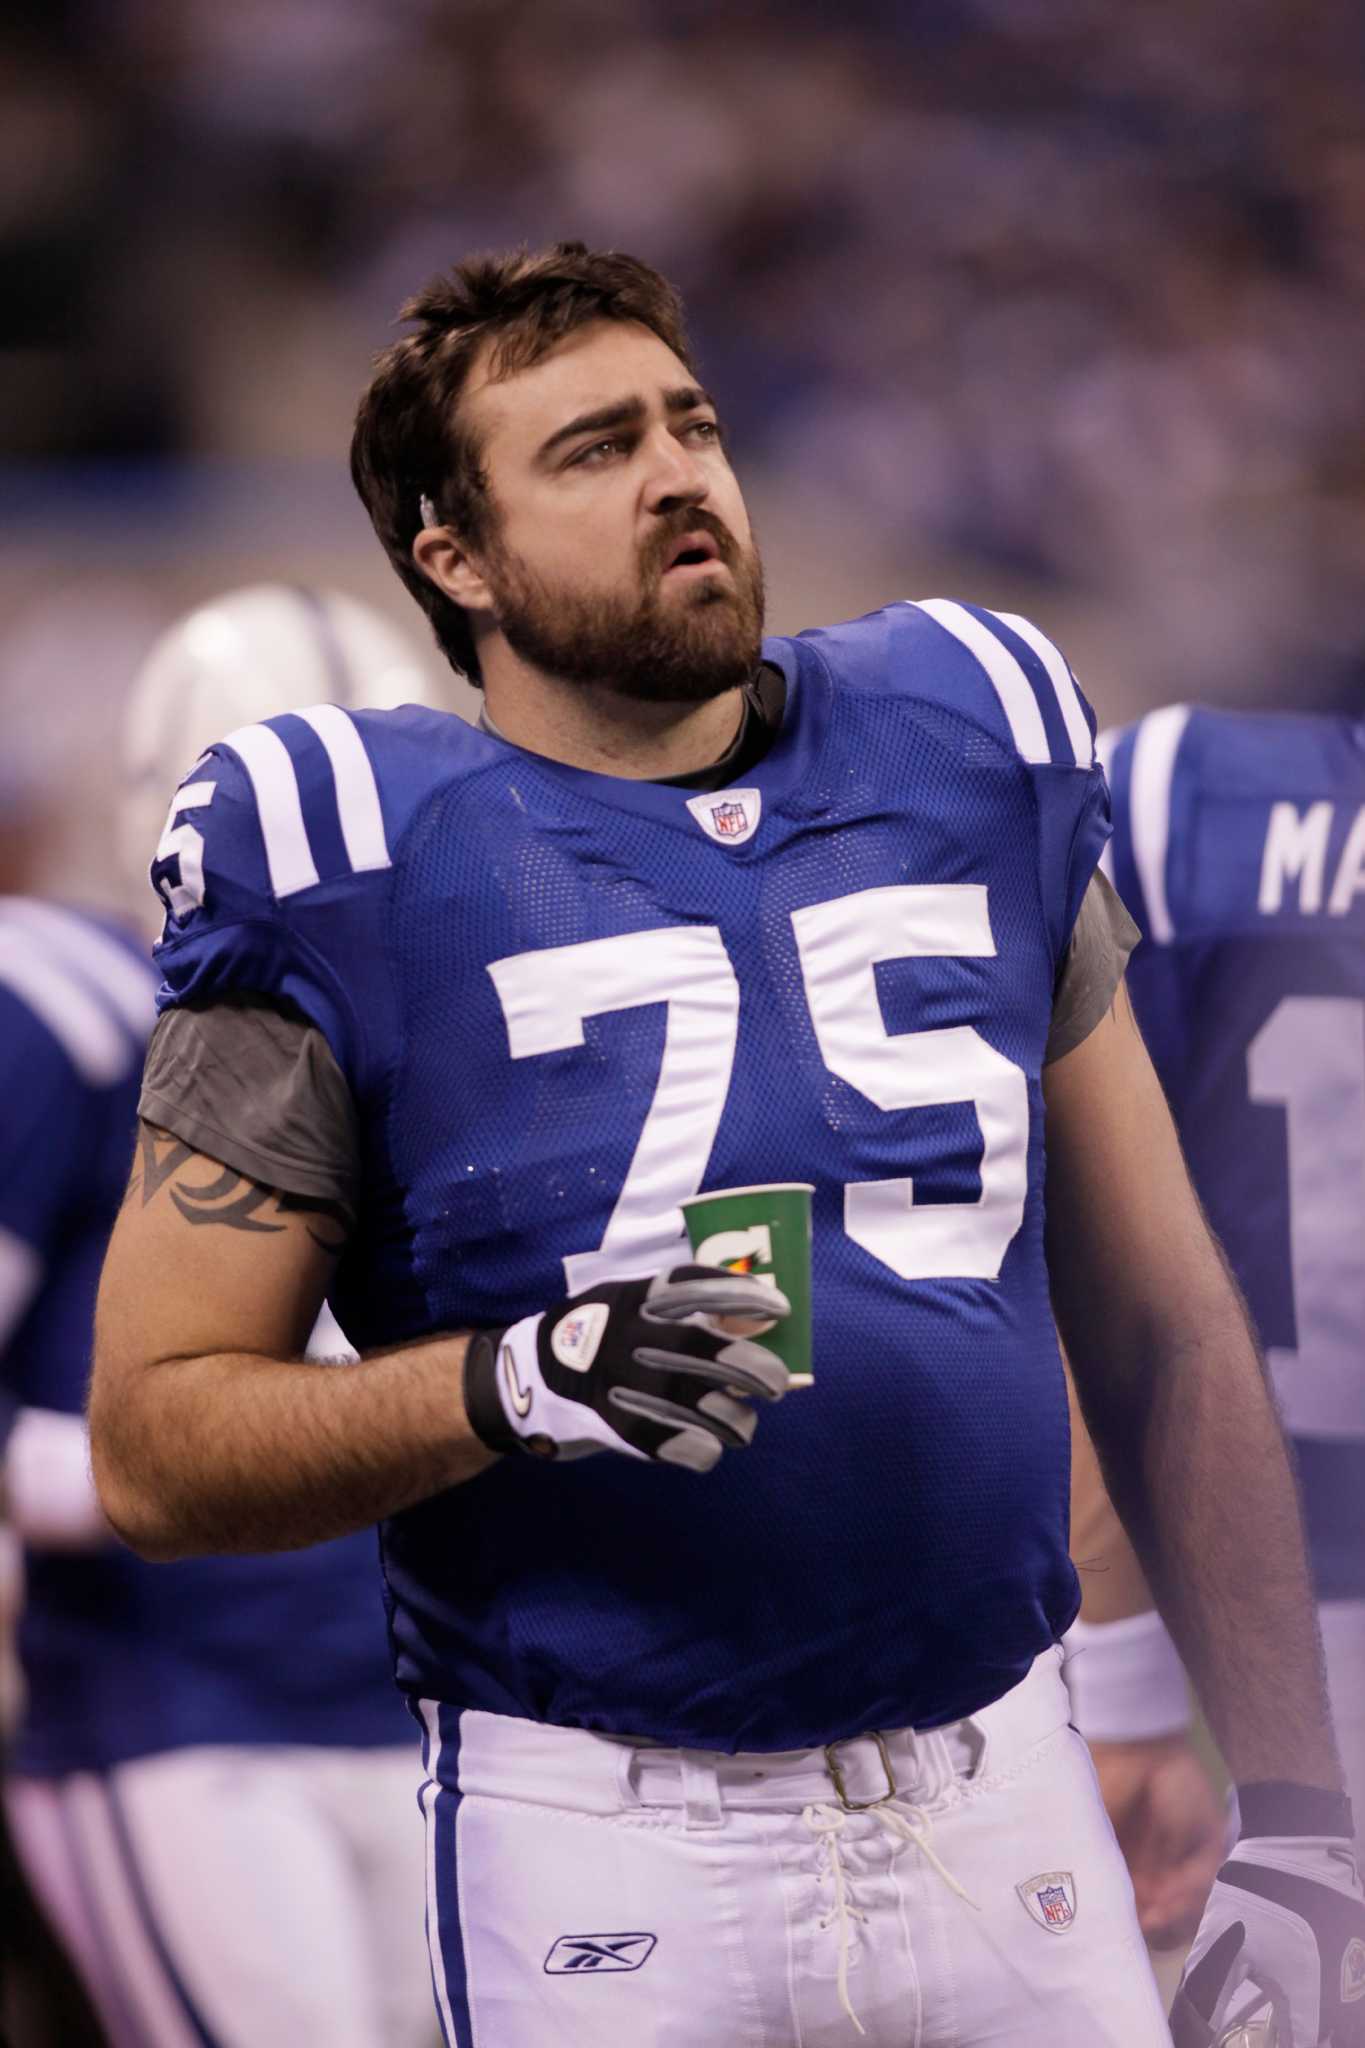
x=546 y=995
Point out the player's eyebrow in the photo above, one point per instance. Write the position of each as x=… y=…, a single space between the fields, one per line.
x=625 y=412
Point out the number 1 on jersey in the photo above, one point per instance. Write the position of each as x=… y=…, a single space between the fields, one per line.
x=1309 y=1059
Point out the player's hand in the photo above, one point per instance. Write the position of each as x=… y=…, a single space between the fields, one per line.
x=1283 y=1932
x=624 y=1367
x=1171 y=1827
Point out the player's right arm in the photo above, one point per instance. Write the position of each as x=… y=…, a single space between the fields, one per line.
x=209 y=1430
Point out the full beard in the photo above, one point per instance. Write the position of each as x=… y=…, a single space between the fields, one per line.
x=652 y=646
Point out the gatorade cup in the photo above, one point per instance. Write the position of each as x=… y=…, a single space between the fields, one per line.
x=764 y=1231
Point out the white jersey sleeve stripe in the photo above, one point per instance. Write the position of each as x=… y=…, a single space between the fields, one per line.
x=90 y=1035
x=1149 y=810
x=1104 y=754
x=21 y=1270
x=362 y=821
x=92 y=956
x=1010 y=683
x=275 y=783
x=1060 y=676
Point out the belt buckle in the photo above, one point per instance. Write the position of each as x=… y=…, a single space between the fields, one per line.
x=832 y=1762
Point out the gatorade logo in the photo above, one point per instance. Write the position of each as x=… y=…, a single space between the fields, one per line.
x=738 y=1251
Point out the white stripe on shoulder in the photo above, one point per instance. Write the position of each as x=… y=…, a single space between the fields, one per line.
x=275 y=784
x=362 y=821
x=1105 y=744
x=1149 y=810
x=1060 y=676
x=129 y=983
x=89 y=1034
x=1011 y=685
x=21 y=1270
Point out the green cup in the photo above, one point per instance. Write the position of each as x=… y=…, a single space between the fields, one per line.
x=764 y=1231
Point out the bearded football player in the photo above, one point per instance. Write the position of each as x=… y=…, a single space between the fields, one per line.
x=748 y=1695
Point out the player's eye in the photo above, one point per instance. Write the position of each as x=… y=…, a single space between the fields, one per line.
x=597 y=452
x=705 y=430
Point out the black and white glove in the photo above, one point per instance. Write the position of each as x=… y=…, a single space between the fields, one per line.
x=629 y=1366
x=1282 y=1939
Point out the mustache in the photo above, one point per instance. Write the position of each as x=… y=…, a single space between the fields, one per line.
x=670 y=531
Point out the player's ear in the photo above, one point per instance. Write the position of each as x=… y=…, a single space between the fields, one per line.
x=443 y=558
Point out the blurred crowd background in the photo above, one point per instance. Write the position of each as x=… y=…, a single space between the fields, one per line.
x=1057 y=304
x=1042 y=301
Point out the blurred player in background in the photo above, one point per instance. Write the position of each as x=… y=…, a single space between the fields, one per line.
x=41 y=1999
x=1239 y=848
x=694 y=907
x=209 y=1790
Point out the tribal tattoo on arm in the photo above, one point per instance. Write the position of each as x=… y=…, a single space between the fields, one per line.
x=228 y=1198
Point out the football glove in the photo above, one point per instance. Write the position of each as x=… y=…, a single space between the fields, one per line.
x=630 y=1366
x=1283 y=1934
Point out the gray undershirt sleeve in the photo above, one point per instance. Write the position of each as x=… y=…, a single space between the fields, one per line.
x=1101 y=940
x=256 y=1087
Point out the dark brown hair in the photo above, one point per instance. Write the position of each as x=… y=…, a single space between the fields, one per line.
x=409 y=441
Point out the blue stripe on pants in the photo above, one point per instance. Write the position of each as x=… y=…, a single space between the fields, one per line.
x=440 y=1798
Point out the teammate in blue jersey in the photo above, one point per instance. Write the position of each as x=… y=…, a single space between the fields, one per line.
x=209 y=1790
x=742 y=1714
x=1239 y=847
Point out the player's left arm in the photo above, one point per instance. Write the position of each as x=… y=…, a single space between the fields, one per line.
x=1131 y=1702
x=1175 y=1397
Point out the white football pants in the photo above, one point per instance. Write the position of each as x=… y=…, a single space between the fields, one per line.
x=586 y=1892
x=238 y=1898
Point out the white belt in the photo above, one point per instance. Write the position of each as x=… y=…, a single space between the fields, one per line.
x=577 y=1769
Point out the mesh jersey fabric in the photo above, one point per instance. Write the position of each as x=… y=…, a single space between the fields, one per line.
x=560 y=1004
x=122 y=1658
x=1239 y=848
x=257 y=1088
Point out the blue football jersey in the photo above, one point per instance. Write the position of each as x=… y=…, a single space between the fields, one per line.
x=1239 y=848
x=564 y=1002
x=122 y=1658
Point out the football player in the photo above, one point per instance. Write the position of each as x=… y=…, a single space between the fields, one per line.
x=755 y=1702
x=210 y=1789
x=1239 y=847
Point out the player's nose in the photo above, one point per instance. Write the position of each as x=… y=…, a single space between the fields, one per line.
x=674 y=476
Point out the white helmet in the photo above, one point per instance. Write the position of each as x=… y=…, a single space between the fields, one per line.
x=246 y=656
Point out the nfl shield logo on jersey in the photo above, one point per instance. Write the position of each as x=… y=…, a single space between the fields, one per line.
x=1051 y=1899
x=728 y=815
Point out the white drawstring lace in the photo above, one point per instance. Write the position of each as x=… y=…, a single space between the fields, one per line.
x=827 y=1823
